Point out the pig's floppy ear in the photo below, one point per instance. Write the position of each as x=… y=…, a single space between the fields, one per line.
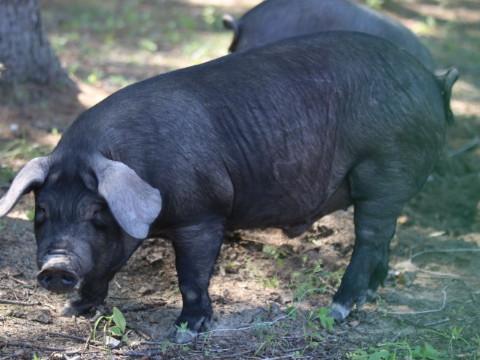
x=32 y=174
x=133 y=202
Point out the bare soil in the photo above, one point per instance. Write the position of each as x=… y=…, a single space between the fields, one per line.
x=267 y=290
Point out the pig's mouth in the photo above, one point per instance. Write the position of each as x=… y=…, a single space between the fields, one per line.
x=58 y=273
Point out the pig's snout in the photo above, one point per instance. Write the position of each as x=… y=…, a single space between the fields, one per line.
x=57 y=274
x=57 y=280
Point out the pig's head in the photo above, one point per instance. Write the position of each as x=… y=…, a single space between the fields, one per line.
x=89 y=217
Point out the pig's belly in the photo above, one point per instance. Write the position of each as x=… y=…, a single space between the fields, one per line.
x=288 y=210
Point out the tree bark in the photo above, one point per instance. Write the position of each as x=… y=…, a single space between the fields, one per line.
x=25 y=53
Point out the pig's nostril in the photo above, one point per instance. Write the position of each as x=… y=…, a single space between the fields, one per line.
x=69 y=280
x=44 y=280
x=57 y=280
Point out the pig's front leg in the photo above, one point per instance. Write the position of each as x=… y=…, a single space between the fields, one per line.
x=91 y=294
x=196 y=250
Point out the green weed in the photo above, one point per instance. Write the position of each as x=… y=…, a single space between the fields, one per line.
x=271 y=282
x=322 y=314
x=114 y=325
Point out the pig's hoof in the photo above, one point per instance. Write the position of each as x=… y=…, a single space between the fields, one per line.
x=74 y=308
x=339 y=312
x=186 y=331
x=183 y=336
x=371 y=296
x=69 y=310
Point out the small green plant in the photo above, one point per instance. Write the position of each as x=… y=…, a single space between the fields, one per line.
x=30 y=214
x=35 y=357
x=114 y=325
x=271 y=282
x=425 y=352
x=323 y=315
x=183 y=327
x=292 y=312
x=275 y=252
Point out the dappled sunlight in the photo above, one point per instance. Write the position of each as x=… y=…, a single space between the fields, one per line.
x=447 y=12
x=466 y=99
x=118 y=51
x=235 y=4
x=90 y=95
x=19 y=215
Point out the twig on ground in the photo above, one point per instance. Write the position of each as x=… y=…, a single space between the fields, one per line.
x=9 y=357
x=248 y=327
x=134 y=353
x=21 y=282
x=466 y=147
x=438 y=322
x=48 y=305
x=236 y=355
x=446 y=251
x=288 y=355
x=440 y=274
x=242 y=328
x=441 y=308
x=141 y=333
x=16 y=302
x=29 y=346
x=67 y=336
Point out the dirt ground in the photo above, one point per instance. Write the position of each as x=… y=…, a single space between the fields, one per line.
x=269 y=293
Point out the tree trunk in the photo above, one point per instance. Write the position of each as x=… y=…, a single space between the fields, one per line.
x=25 y=53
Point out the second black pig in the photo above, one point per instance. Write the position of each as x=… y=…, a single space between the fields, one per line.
x=275 y=20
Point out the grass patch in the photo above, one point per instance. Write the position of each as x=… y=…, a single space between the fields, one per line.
x=313 y=280
x=397 y=350
x=20 y=149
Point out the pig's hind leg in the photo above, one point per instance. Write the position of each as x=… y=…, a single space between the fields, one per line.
x=379 y=190
x=196 y=250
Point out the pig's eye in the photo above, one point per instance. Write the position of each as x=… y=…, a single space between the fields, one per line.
x=40 y=215
x=98 y=218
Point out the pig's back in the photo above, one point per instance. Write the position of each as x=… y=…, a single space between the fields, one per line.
x=289 y=118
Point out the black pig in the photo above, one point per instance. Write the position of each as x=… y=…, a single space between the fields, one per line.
x=275 y=20
x=273 y=137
